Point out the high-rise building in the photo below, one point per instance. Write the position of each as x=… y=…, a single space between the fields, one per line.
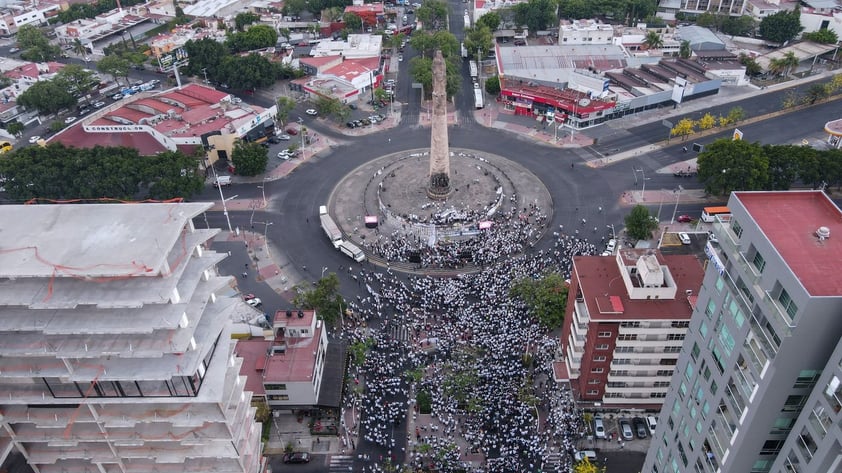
x=624 y=325
x=115 y=348
x=756 y=388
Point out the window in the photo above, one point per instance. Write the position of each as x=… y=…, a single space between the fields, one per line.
x=736 y=228
x=786 y=303
x=772 y=447
x=593 y=381
x=694 y=352
x=278 y=397
x=622 y=361
x=706 y=373
x=675 y=336
x=703 y=329
x=689 y=371
x=624 y=349
x=662 y=384
x=603 y=346
x=758 y=262
x=604 y=335
x=627 y=336
x=782 y=425
x=794 y=403
x=710 y=308
x=806 y=444
x=807 y=378
x=713 y=387
x=593 y=392
x=726 y=340
x=657 y=395
x=664 y=373
x=630 y=324
x=668 y=362
x=680 y=324
x=599 y=358
x=672 y=349
x=275 y=387
x=597 y=370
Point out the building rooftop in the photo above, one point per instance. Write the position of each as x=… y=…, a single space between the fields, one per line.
x=553 y=63
x=92 y=240
x=608 y=300
x=790 y=220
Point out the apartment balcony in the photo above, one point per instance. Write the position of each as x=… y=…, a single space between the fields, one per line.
x=756 y=354
x=582 y=314
x=784 y=324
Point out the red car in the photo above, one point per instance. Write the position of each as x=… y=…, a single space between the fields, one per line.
x=292 y=131
x=685 y=218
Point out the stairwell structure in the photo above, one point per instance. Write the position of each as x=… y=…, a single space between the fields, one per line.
x=115 y=346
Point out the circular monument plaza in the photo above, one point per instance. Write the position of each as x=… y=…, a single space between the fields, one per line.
x=494 y=208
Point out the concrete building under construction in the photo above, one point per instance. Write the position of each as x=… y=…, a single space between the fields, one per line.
x=115 y=349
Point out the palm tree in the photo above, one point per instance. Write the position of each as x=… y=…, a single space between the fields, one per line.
x=776 y=66
x=79 y=48
x=790 y=62
x=653 y=40
x=684 y=51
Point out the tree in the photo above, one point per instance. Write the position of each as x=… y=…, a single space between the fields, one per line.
x=115 y=66
x=47 y=97
x=585 y=466
x=577 y=9
x=431 y=11
x=707 y=122
x=427 y=43
x=77 y=80
x=478 y=41
x=172 y=174
x=639 y=224
x=324 y=298
x=79 y=48
x=815 y=93
x=249 y=158
x=684 y=51
x=726 y=165
x=492 y=85
x=752 y=67
x=824 y=36
x=783 y=165
x=683 y=128
x=247 y=72
x=736 y=115
x=352 y=21
x=490 y=19
x=206 y=54
x=546 y=297
x=781 y=27
x=256 y=37
x=738 y=26
x=653 y=40
x=35 y=45
x=421 y=70
x=15 y=128
x=537 y=15
x=244 y=19
x=285 y=106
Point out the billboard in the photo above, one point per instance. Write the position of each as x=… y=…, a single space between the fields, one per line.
x=176 y=57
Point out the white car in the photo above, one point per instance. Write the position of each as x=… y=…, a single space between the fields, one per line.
x=283 y=137
x=117 y=96
x=685 y=238
x=400 y=57
x=285 y=155
x=312 y=112
x=256 y=302
x=69 y=120
x=99 y=104
x=34 y=139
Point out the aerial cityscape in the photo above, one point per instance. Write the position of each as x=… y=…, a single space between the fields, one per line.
x=475 y=236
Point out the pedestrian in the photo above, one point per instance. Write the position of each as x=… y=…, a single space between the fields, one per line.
x=308 y=219
x=245 y=274
x=571 y=165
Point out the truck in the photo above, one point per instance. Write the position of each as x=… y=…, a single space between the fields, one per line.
x=331 y=230
x=478 y=98
x=352 y=251
x=464 y=51
x=474 y=69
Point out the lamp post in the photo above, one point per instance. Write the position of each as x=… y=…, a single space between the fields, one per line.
x=205 y=72
x=263 y=191
x=222 y=198
x=644 y=179
x=677 y=198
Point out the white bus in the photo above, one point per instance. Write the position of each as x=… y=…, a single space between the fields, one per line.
x=352 y=251
x=478 y=98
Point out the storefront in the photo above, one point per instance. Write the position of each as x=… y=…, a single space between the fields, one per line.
x=573 y=108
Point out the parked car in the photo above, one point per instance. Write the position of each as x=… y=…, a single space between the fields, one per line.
x=625 y=429
x=223 y=181
x=117 y=96
x=311 y=111
x=247 y=297
x=34 y=139
x=581 y=455
x=13 y=50
x=99 y=104
x=598 y=427
x=254 y=302
x=69 y=120
x=297 y=457
x=292 y=131
x=652 y=423
x=612 y=245
x=639 y=427
x=685 y=238
x=283 y=137
x=685 y=218
x=351 y=125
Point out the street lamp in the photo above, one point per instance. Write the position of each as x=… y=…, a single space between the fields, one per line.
x=263 y=191
x=677 y=198
x=324 y=268
x=644 y=179
x=222 y=197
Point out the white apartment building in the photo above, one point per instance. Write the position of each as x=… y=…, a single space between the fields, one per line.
x=575 y=32
x=14 y=14
x=115 y=348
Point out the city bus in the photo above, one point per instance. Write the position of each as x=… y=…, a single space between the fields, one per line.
x=709 y=213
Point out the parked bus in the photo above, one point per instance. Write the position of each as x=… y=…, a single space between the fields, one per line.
x=352 y=251
x=478 y=98
x=709 y=213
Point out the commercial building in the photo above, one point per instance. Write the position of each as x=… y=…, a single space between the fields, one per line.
x=294 y=367
x=754 y=388
x=346 y=80
x=16 y=13
x=624 y=324
x=115 y=345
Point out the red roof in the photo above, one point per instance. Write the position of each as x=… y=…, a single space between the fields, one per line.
x=376 y=8
x=789 y=220
x=77 y=137
x=567 y=99
x=352 y=68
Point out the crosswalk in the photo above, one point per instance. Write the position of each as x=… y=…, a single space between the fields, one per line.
x=399 y=332
x=341 y=463
x=552 y=463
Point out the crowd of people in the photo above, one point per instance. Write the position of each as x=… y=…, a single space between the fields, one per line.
x=480 y=358
x=509 y=232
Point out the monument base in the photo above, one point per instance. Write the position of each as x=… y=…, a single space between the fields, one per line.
x=439 y=188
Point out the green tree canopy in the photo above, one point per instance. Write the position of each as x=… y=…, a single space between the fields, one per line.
x=738 y=25
x=421 y=70
x=78 y=81
x=653 y=40
x=546 y=297
x=353 y=22
x=431 y=11
x=639 y=223
x=207 y=54
x=285 y=106
x=35 y=45
x=427 y=43
x=685 y=51
x=824 y=36
x=59 y=172
x=324 y=298
x=490 y=20
x=727 y=165
x=752 y=67
x=47 y=97
x=256 y=37
x=115 y=66
x=247 y=72
x=244 y=19
x=492 y=85
x=478 y=41
x=781 y=27
x=249 y=159
x=536 y=15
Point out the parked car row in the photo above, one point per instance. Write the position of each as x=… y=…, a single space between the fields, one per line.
x=626 y=429
x=371 y=120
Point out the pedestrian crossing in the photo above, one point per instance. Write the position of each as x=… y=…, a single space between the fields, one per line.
x=552 y=463
x=341 y=463
x=399 y=332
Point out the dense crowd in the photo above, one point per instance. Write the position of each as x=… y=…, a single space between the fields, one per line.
x=510 y=233
x=483 y=361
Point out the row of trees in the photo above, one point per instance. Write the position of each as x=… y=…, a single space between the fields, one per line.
x=59 y=172
x=545 y=297
x=78 y=11
x=728 y=165
x=628 y=11
x=421 y=67
x=687 y=126
x=210 y=57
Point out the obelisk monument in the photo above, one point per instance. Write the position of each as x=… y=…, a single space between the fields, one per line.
x=439 y=187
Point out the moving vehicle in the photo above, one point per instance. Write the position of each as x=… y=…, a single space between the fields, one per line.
x=709 y=214
x=99 y=104
x=474 y=69
x=478 y=98
x=626 y=430
x=581 y=455
x=224 y=181
x=331 y=230
x=255 y=302
x=311 y=111
x=684 y=219
x=69 y=120
x=351 y=250
x=685 y=238
x=6 y=146
x=297 y=457
x=639 y=427
x=34 y=139
x=598 y=427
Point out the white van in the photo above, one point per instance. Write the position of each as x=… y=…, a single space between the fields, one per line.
x=589 y=454
x=352 y=251
x=651 y=422
x=223 y=181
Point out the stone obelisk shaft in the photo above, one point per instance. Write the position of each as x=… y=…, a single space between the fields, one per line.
x=439 y=187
